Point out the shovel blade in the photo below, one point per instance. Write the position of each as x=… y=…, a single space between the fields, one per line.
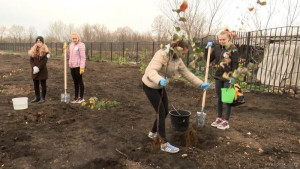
x=200 y=119
x=65 y=98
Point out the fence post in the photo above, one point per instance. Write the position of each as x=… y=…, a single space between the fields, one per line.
x=111 y=45
x=123 y=45
x=56 y=48
x=153 y=48
x=91 y=50
x=187 y=58
x=137 y=52
x=99 y=51
x=247 y=49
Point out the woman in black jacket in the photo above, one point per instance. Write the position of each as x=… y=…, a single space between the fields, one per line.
x=225 y=57
x=39 y=55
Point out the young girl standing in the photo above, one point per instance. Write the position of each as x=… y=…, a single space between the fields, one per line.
x=39 y=55
x=77 y=60
x=226 y=61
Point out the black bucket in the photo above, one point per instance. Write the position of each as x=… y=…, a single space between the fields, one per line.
x=180 y=120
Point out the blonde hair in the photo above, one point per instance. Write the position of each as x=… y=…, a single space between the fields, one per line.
x=76 y=34
x=231 y=34
x=226 y=32
x=36 y=51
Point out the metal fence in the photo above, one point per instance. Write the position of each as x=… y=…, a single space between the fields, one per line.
x=275 y=53
x=101 y=51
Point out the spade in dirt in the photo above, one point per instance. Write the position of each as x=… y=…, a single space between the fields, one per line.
x=200 y=118
x=65 y=97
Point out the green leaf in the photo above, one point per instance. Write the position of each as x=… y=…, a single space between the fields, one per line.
x=175 y=36
x=198 y=50
x=182 y=19
x=177 y=29
x=176 y=10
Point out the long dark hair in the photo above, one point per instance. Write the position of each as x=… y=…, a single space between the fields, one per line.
x=181 y=43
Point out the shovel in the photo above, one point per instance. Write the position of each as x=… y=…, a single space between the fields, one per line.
x=200 y=117
x=65 y=97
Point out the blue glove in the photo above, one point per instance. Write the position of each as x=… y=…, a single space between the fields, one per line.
x=231 y=82
x=209 y=44
x=205 y=86
x=163 y=81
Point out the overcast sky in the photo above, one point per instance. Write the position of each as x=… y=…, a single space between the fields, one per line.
x=137 y=14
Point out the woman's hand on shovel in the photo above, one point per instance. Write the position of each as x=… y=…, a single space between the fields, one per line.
x=205 y=85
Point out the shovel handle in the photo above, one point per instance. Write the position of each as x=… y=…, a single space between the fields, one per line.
x=206 y=76
x=65 y=67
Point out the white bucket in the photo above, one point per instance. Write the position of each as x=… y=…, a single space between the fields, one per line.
x=20 y=103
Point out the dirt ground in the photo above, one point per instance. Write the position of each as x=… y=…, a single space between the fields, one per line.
x=264 y=132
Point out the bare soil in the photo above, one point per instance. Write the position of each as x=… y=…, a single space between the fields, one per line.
x=264 y=132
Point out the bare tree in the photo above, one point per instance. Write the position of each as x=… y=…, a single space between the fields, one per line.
x=271 y=10
x=256 y=15
x=293 y=10
x=166 y=6
x=32 y=33
x=123 y=34
x=56 y=31
x=196 y=15
x=160 y=28
x=68 y=30
x=214 y=8
x=3 y=30
x=86 y=32
x=101 y=33
x=17 y=32
x=198 y=26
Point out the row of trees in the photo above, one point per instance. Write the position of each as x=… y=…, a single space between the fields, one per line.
x=202 y=18
x=59 y=32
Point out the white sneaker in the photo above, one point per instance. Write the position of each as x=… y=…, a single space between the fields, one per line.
x=224 y=125
x=217 y=122
x=169 y=148
x=80 y=100
x=74 y=100
x=152 y=135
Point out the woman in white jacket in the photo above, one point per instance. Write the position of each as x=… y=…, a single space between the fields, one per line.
x=155 y=79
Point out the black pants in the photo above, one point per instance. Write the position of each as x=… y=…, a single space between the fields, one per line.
x=78 y=83
x=222 y=84
x=37 y=88
x=154 y=97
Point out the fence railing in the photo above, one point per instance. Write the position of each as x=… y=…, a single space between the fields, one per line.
x=275 y=53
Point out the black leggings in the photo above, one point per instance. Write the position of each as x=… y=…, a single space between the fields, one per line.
x=222 y=84
x=37 y=88
x=77 y=79
x=154 y=97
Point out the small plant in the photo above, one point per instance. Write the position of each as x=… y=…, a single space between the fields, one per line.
x=94 y=102
x=122 y=59
x=143 y=61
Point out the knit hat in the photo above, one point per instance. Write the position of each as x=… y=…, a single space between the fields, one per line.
x=39 y=38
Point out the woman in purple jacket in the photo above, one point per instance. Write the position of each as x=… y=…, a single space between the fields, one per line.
x=77 y=59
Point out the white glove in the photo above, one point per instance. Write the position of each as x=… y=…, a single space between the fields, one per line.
x=48 y=56
x=35 y=70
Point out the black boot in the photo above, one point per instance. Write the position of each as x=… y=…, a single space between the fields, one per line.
x=42 y=100
x=36 y=99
